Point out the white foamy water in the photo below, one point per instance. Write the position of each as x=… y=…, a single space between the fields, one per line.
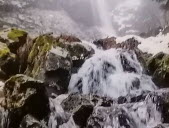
x=137 y=115
x=152 y=45
x=111 y=73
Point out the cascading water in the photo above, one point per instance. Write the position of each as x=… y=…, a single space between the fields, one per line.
x=100 y=9
x=113 y=73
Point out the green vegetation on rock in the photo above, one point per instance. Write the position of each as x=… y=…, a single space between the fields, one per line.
x=4 y=50
x=15 y=34
x=158 y=66
x=37 y=56
x=24 y=95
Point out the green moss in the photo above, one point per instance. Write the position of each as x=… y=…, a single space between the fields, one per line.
x=15 y=34
x=4 y=50
x=163 y=67
x=38 y=53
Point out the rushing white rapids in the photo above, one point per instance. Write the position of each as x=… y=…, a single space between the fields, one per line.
x=111 y=73
x=137 y=115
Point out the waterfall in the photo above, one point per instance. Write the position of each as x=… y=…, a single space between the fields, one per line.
x=111 y=73
x=114 y=76
x=115 y=73
x=100 y=9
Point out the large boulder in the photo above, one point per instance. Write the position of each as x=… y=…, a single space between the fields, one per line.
x=158 y=66
x=51 y=60
x=80 y=107
x=106 y=43
x=25 y=95
x=78 y=50
x=14 y=38
x=49 y=63
x=18 y=43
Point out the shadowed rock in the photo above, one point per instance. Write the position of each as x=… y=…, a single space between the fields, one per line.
x=24 y=95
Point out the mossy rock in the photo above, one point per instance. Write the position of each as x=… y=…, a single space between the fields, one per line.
x=158 y=66
x=14 y=38
x=37 y=56
x=5 y=55
x=4 y=50
x=25 y=95
x=53 y=59
x=8 y=62
x=50 y=63
x=16 y=34
x=154 y=62
x=18 y=89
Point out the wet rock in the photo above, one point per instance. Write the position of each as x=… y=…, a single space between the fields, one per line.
x=106 y=43
x=105 y=117
x=8 y=62
x=74 y=102
x=23 y=53
x=127 y=115
x=81 y=106
x=126 y=64
x=24 y=95
x=14 y=38
x=57 y=69
x=158 y=66
x=52 y=60
x=69 y=39
x=30 y=122
x=81 y=116
x=49 y=63
x=79 y=51
x=129 y=44
x=103 y=111
x=154 y=62
x=19 y=43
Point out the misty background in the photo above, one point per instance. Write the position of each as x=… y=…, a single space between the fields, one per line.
x=82 y=18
